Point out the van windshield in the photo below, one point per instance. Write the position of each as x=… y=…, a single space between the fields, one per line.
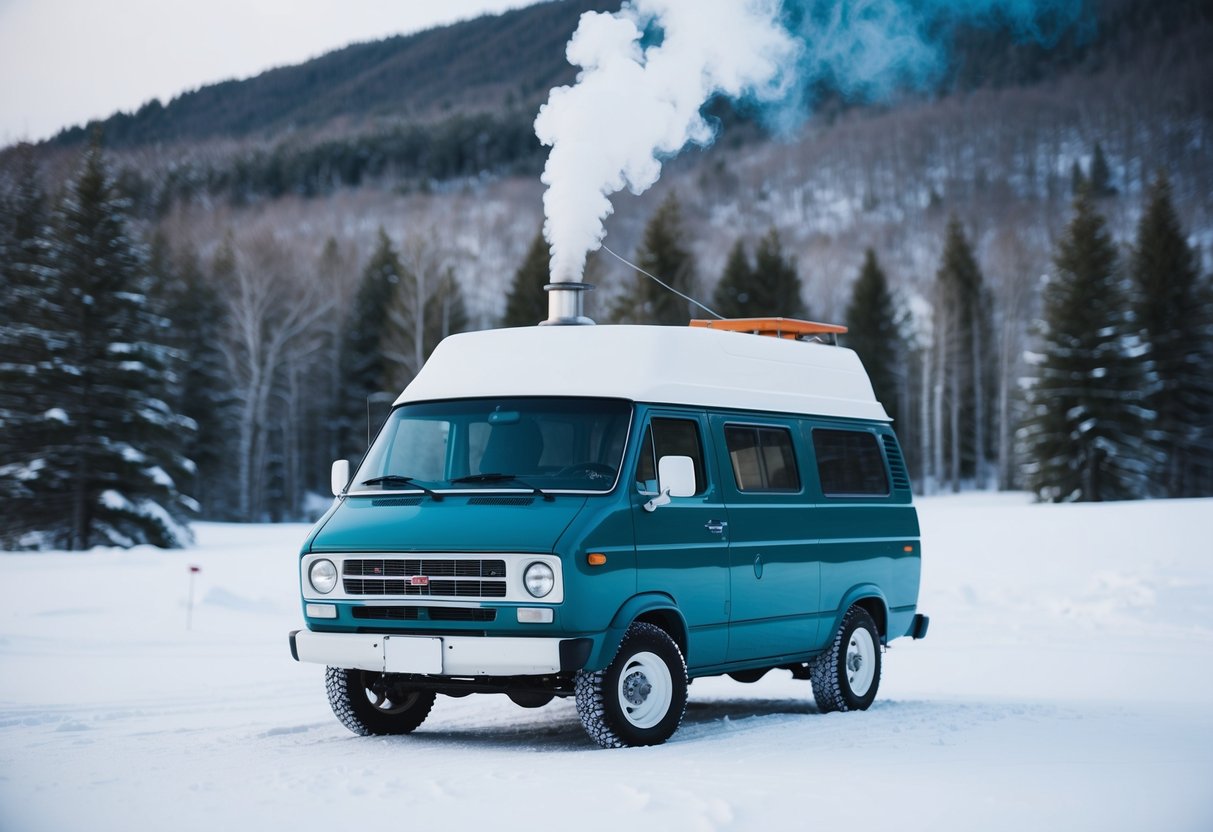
x=561 y=444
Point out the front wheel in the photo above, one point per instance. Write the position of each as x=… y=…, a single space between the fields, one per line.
x=370 y=703
x=640 y=698
x=845 y=677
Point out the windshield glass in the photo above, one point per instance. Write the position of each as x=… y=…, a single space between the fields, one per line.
x=545 y=443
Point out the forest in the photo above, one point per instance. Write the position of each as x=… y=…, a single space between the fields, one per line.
x=203 y=317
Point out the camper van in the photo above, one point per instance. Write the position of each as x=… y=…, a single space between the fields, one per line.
x=607 y=513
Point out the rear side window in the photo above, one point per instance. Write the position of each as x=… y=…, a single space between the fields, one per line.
x=670 y=437
x=849 y=463
x=762 y=458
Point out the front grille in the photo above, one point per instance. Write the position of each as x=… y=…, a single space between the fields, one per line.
x=446 y=577
x=422 y=613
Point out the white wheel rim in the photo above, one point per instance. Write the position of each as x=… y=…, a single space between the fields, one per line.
x=646 y=690
x=860 y=666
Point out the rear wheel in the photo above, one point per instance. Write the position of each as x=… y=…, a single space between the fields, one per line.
x=640 y=698
x=370 y=703
x=846 y=676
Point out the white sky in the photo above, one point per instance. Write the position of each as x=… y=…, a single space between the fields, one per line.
x=63 y=62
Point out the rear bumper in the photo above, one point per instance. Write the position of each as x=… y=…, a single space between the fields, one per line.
x=918 y=627
x=442 y=655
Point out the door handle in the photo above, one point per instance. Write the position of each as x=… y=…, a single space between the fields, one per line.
x=716 y=526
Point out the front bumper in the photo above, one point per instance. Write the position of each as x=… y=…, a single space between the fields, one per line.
x=442 y=655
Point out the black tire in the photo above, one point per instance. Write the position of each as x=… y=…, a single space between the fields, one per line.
x=621 y=706
x=847 y=675
x=370 y=703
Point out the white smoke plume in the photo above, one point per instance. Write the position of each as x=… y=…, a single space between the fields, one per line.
x=634 y=105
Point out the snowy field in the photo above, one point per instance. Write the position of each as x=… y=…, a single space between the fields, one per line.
x=1065 y=684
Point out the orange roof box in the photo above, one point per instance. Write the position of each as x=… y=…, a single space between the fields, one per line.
x=789 y=328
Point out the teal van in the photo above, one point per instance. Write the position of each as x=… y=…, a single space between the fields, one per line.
x=608 y=512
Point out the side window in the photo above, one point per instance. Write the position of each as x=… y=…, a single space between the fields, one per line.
x=849 y=463
x=762 y=458
x=670 y=437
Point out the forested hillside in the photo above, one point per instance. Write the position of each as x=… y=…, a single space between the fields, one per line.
x=301 y=240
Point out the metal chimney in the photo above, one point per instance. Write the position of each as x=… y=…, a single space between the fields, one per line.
x=566 y=307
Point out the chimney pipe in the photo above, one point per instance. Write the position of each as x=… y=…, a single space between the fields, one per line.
x=566 y=307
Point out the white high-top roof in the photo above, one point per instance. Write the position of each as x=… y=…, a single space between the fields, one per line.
x=654 y=364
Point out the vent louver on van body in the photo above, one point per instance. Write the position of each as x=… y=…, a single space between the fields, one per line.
x=897 y=464
x=501 y=501
x=396 y=501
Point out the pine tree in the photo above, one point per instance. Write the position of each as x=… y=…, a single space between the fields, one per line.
x=873 y=333
x=961 y=337
x=30 y=290
x=770 y=287
x=445 y=312
x=527 y=303
x=1082 y=438
x=1174 y=311
x=777 y=288
x=1078 y=180
x=662 y=254
x=364 y=371
x=732 y=297
x=203 y=392
x=1101 y=175
x=118 y=457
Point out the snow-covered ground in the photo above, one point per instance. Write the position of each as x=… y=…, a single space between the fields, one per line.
x=1065 y=684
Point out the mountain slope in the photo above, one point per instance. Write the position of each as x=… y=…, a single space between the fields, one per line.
x=488 y=65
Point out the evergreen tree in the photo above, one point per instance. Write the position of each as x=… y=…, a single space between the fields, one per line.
x=203 y=391
x=118 y=457
x=1082 y=434
x=527 y=303
x=777 y=289
x=30 y=291
x=662 y=254
x=732 y=297
x=1101 y=175
x=1078 y=181
x=961 y=339
x=445 y=312
x=873 y=333
x=364 y=371
x=770 y=287
x=1174 y=311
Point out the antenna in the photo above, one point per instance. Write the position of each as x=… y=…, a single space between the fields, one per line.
x=663 y=284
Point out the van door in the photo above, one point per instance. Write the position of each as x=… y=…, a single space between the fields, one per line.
x=774 y=570
x=682 y=547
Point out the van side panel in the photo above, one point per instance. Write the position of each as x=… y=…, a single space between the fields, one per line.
x=773 y=563
x=870 y=539
x=592 y=593
x=682 y=548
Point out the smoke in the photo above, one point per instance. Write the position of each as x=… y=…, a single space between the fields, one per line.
x=648 y=69
x=634 y=105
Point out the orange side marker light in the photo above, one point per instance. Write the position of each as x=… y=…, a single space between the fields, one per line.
x=595 y=559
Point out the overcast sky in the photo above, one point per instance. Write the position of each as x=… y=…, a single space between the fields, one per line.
x=63 y=62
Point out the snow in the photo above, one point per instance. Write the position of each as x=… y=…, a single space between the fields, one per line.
x=1064 y=684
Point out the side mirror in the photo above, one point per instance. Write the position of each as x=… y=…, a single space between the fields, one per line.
x=675 y=478
x=339 y=478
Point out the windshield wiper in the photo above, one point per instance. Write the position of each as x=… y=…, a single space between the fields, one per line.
x=498 y=477
x=403 y=480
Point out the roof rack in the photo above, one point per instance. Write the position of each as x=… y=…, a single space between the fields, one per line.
x=789 y=328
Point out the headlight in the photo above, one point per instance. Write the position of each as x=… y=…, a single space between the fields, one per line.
x=323 y=576
x=539 y=579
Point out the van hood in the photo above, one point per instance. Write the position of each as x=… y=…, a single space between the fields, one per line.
x=475 y=523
